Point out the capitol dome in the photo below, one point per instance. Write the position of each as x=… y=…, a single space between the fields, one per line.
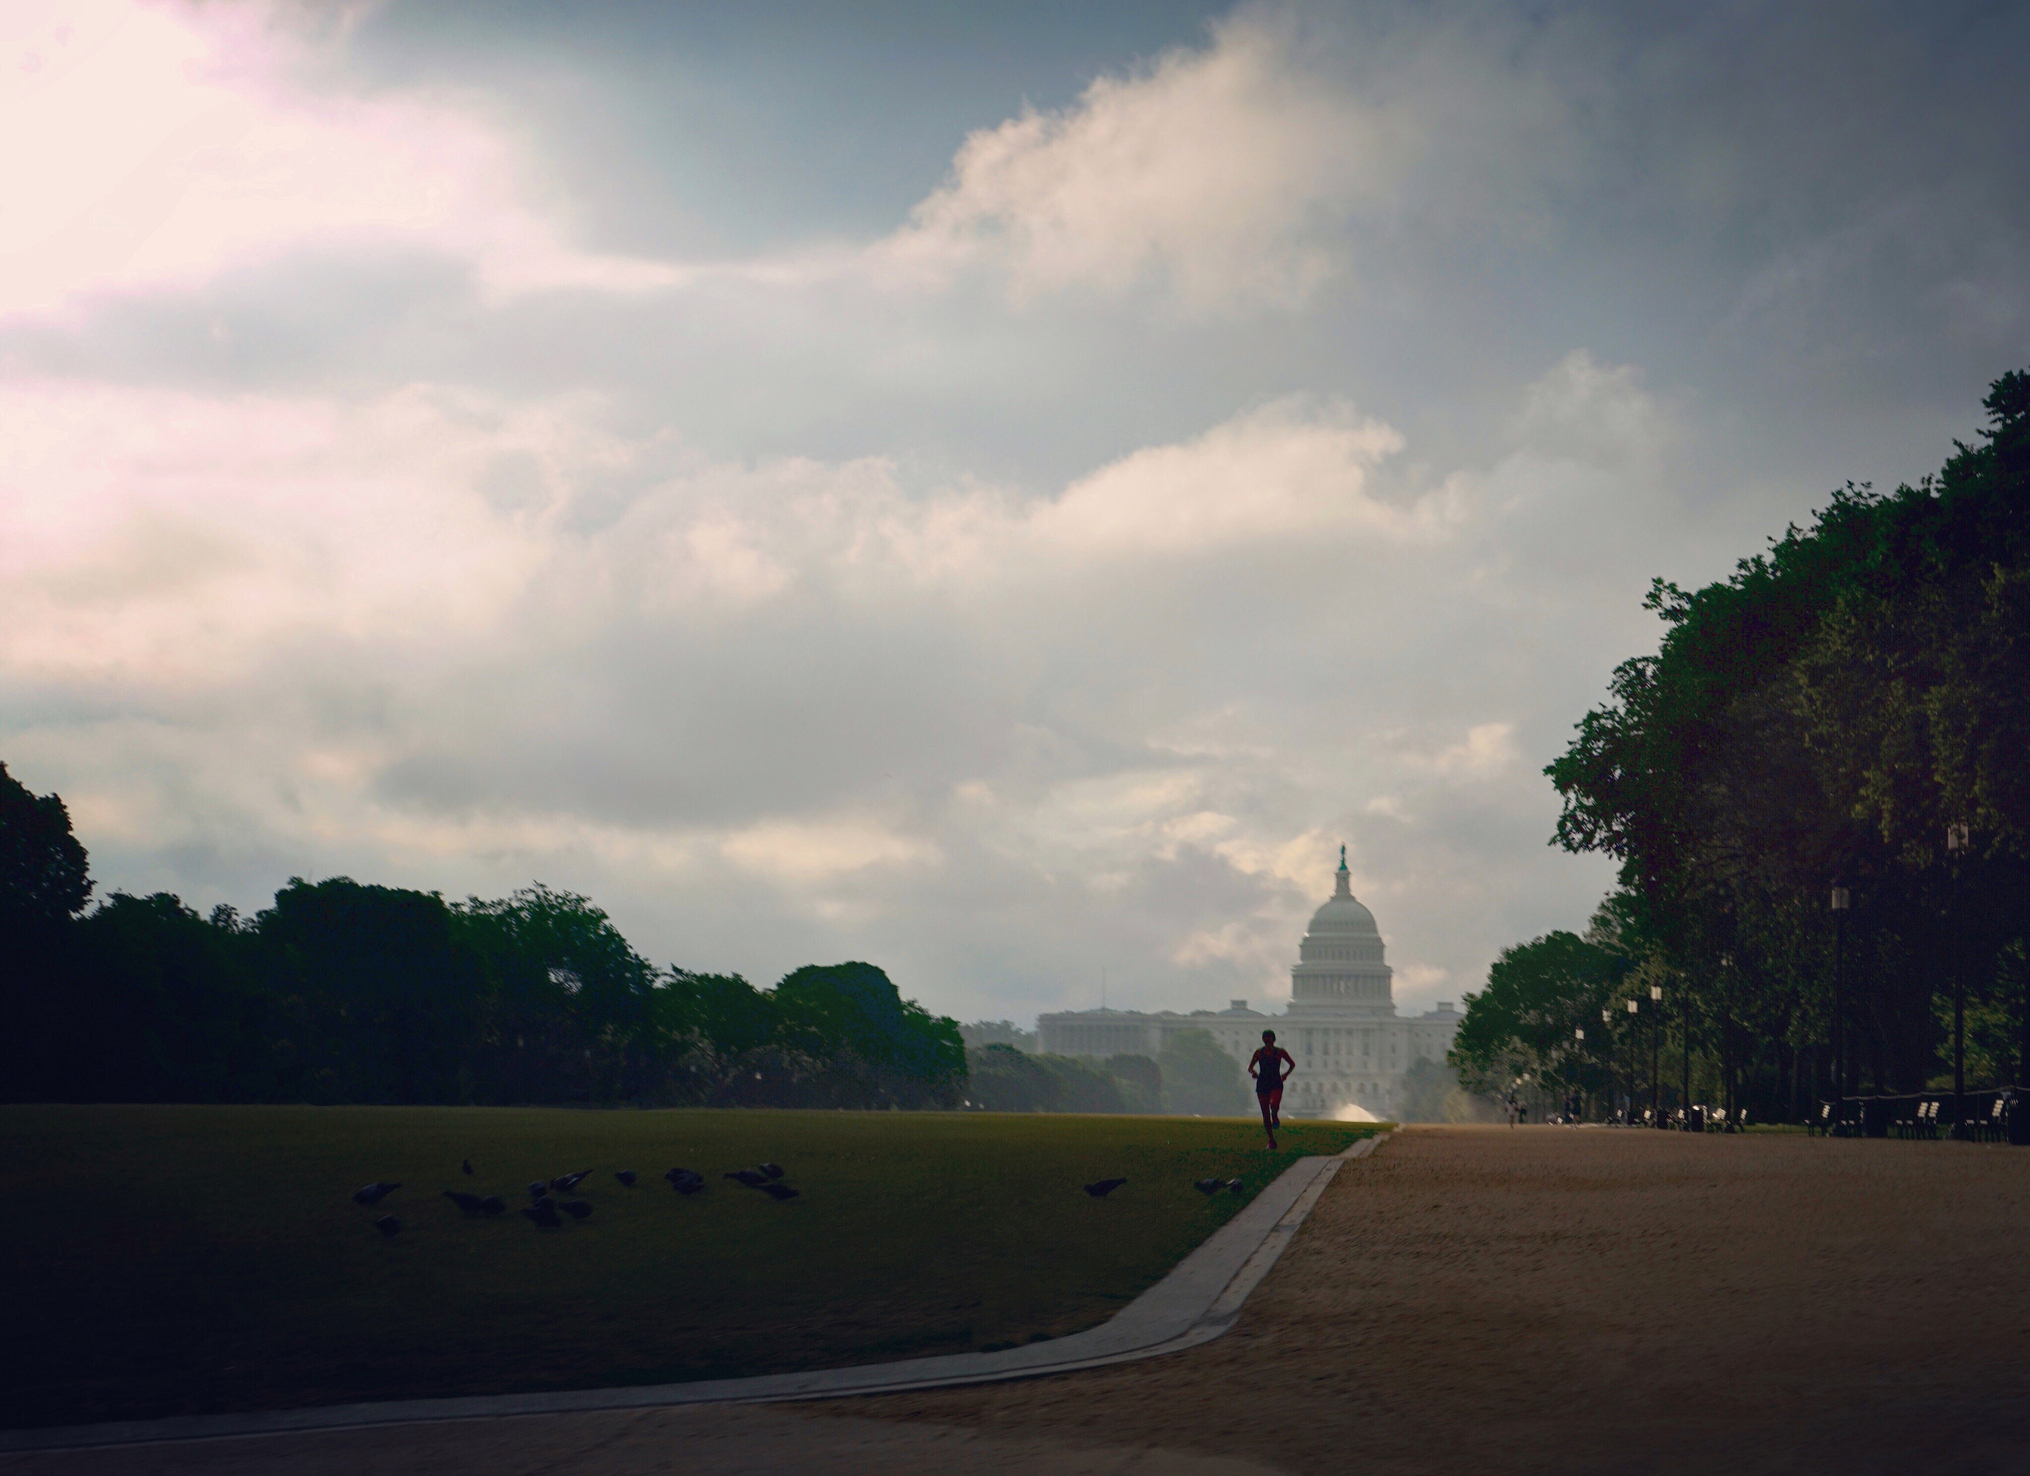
x=1339 y=964
x=1341 y=914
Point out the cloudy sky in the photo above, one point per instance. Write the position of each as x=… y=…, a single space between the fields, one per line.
x=1003 y=496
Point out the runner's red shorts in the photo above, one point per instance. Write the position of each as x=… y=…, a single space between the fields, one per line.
x=1271 y=1101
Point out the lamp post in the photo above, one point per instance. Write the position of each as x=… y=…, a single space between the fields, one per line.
x=1956 y=847
x=1607 y=1019
x=1840 y=900
x=1655 y=1045
x=1634 y=1047
x=1579 y=1035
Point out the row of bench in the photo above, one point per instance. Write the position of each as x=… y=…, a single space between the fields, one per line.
x=1996 y=1115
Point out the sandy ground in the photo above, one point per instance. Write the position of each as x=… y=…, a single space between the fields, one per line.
x=1473 y=1299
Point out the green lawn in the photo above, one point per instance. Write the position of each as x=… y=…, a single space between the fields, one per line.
x=180 y=1260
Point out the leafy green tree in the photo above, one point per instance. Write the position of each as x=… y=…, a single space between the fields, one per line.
x=1524 y=1024
x=177 y=1012
x=1141 y=1082
x=381 y=990
x=1820 y=718
x=1200 y=1079
x=569 y=1007
x=43 y=872
x=856 y=1030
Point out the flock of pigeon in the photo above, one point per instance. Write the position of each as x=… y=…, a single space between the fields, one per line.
x=547 y=1212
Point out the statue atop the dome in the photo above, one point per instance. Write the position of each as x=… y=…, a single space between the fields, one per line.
x=1342 y=856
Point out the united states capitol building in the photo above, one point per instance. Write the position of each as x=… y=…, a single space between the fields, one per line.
x=1351 y=1047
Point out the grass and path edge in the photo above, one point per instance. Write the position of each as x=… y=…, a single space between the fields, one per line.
x=1197 y=1301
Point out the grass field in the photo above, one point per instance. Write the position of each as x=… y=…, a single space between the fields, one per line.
x=181 y=1260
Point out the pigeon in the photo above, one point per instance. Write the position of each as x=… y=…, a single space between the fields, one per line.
x=372 y=1194
x=466 y=1168
x=626 y=1177
x=538 y=1189
x=577 y=1209
x=389 y=1226
x=543 y=1213
x=1236 y=1186
x=685 y=1181
x=1208 y=1187
x=772 y=1170
x=493 y=1204
x=752 y=1178
x=567 y=1182
x=1104 y=1187
x=778 y=1192
x=470 y=1203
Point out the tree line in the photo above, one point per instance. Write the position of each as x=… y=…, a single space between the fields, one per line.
x=349 y=992
x=1191 y=1077
x=1822 y=776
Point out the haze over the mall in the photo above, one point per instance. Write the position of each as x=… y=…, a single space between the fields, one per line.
x=998 y=492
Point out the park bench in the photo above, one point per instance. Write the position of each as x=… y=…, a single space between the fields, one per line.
x=1990 y=1126
x=1903 y=1120
x=1909 y=1116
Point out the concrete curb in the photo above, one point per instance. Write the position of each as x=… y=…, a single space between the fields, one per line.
x=1200 y=1299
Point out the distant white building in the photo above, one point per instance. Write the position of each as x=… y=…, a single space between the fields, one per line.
x=1350 y=1045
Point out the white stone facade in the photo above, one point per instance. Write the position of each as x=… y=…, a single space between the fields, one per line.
x=1351 y=1047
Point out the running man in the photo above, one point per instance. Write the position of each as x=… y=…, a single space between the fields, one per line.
x=1267 y=1067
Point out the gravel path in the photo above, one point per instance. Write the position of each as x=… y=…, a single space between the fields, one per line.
x=1598 y=1300
x=1530 y=1300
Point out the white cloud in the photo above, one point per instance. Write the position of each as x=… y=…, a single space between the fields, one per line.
x=162 y=145
x=1218 y=172
x=803 y=851
x=1272 y=474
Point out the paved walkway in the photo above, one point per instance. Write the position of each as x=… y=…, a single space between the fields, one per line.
x=1541 y=1299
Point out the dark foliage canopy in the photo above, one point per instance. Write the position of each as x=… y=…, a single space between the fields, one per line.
x=349 y=992
x=1824 y=717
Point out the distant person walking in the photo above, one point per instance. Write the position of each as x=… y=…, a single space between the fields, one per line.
x=1514 y=1107
x=1266 y=1066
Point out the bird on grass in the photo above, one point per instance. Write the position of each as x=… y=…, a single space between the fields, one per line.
x=567 y=1182
x=577 y=1209
x=752 y=1178
x=778 y=1192
x=1236 y=1186
x=1208 y=1187
x=538 y=1189
x=774 y=1171
x=626 y=1177
x=685 y=1181
x=466 y=1168
x=389 y=1226
x=1104 y=1187
x=543 y=1213
x=372 y=1194
x=493 y=1204
x=472 y=1204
